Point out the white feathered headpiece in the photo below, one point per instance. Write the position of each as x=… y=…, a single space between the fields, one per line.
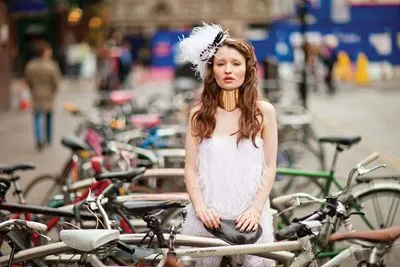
x=201 y=45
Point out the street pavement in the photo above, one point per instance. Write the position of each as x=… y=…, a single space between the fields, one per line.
x=365 y=111
x=371 y=112
x=17 y=141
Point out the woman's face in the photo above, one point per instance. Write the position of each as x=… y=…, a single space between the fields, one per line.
x=229 y=68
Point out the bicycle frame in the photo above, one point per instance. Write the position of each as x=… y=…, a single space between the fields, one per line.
x=205 y=247
x=276 y=251
x=328 y=177
x=96 y=187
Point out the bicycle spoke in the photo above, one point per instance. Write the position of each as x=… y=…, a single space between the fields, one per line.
x=391 y=214
x=378 y=212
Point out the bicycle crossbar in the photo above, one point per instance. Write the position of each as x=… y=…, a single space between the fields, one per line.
x=73 y=258
x=81 y=184
x=240 y=249
x=164 y=173
x=157 y=173
x=277 y=251
x=153 y=196
x=172 y=152
x=299 y=172
x=197 y=241
x=38 y=252
x=19 y=208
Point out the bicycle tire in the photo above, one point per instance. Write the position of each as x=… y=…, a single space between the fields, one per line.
x=378 y=194
x=36 y=185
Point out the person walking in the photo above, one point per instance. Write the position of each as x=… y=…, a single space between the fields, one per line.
x=42 y=75
x=231 y=142
x=329 y=58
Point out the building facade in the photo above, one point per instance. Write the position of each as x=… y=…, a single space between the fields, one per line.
x=5 y=61
x=145 y=16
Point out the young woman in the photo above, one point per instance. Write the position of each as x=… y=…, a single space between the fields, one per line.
x=231 y=142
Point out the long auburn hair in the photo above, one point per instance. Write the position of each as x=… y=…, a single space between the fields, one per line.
x=251 y=119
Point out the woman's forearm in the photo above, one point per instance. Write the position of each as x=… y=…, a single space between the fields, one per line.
x=264 y=189
x=194 y=190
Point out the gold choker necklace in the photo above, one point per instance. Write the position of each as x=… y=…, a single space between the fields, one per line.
x=228 y=99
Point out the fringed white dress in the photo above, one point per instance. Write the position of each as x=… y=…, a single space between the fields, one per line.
x=229 y=176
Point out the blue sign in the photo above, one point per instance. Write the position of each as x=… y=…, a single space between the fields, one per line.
x=15 y=6
x=373 y=30
x=165 y=52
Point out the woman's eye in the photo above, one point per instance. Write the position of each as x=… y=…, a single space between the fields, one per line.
x=220 y=64
x=236 y=64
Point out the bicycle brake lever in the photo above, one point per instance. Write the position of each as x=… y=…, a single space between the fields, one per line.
x=91 y=201
x=42 y=235
x=363 y=170
x=285 y=210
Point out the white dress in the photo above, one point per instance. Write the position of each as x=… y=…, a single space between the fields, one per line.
x=229 y=176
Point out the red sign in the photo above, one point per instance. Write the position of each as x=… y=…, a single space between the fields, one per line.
x=162 y=49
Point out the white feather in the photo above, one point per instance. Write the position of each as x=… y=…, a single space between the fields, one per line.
x=192 y=46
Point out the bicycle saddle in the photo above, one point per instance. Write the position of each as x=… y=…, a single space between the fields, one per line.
x=73 y=142
x=88 y=239
x=10 y=168
x=129 y=176
x=341 y=140
x=141 y=208
x=228 y=232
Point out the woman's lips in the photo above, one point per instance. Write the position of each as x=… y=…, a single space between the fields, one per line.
x=228 y=80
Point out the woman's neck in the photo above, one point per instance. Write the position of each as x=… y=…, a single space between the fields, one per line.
x=228 y=99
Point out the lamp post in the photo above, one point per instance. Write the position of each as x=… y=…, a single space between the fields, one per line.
x=303 y=29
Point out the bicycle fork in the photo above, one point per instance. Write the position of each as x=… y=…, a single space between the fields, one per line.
x=306 y=257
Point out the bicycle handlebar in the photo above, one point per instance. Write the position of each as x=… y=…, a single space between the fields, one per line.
x=39 y=227
x=359 y=167
x=298 y=230
x=368 y=160
x=282 y=200
x=346 y=198
x=289 y=232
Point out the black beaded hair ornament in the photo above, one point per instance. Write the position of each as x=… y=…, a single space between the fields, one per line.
x=201 y=45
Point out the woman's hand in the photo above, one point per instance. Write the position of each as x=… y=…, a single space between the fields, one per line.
x=209 y=217
x=248 y=220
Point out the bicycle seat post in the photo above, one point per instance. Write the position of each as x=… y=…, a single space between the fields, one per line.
x=338 y=149
x=17 y=189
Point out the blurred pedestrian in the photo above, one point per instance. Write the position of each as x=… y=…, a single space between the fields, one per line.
x=125 y=62
x=42 y=75
x=329 y=58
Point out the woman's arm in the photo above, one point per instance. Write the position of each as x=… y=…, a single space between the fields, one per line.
x=208 y=216
x=270 y=139
x=249 y=219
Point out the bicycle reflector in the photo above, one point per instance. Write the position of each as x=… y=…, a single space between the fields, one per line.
x=96 y=162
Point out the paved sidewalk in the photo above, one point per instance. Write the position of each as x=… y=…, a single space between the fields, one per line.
x=16 y=132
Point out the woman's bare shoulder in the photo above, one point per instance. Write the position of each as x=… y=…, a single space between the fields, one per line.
x=266 y=108
x=195 y=109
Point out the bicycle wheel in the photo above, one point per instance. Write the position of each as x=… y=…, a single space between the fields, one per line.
x=381 y=207
x=295 y=154
x=41 y=189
